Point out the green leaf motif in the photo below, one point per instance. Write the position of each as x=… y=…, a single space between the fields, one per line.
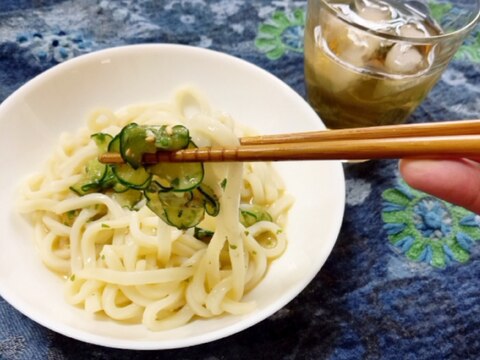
x=470 y=50
x=276 y=53
x=280 y=19
x=270 y=30
x=396 y=197
x=280 y=34
x=427 y=229
x=439 y=10
x=469 y=53
x=266 y=45
x=416 y=250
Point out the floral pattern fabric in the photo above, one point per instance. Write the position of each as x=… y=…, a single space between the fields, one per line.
x=402 y=280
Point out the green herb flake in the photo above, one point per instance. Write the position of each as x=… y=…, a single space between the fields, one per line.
x=254 y=253
x=71 y=214
x=106 y=226
x=72 y=277
x=233 y=247
x=247 y=232
x=279 y=231
x=223 y=184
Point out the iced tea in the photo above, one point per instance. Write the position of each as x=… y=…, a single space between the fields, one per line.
x=355 y=77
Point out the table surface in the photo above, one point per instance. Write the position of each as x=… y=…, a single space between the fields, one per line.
x=403 y=279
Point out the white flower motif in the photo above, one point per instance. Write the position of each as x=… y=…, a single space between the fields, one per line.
x=454 y=78
x=467 y=110
x=183 y=3
x=266 y=11
x=238 y=28
x=187 y=19
x=205 y=41
x=225 y=8
x=357 y=191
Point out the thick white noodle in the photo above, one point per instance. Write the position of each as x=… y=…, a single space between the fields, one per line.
x=130 y=265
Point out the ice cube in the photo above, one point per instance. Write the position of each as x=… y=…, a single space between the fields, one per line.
x=374 y=11
x=334 y=30
x=354 y=52
x=346 y=42
x=404 y=59
x=329 y=70
x=362 y=43
x=375 y=14
x=342 y=77
x=353 y=56
x=349 y=49
x=412 y=31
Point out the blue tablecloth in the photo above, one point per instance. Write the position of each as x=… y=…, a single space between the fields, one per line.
x=403 y=279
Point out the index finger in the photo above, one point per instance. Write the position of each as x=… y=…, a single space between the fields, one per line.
x=454 y=180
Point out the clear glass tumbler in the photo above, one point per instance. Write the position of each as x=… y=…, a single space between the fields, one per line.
x=372 y=62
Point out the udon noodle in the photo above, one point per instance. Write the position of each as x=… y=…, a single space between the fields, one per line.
x=129 y=264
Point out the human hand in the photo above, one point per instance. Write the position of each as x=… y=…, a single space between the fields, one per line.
x=454 y=180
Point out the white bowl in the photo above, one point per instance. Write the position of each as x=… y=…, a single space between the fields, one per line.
x=58 y=100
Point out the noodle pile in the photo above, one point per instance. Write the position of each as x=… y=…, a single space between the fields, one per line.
x=129 y=264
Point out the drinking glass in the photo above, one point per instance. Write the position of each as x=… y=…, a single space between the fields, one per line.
x=372 y=62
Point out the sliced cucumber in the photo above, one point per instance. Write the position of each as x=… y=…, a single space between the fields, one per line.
x=177 y=199
x=128 y=198
x=178 y=176
x=109 y=180
x=94 y=174
x=153 y=201
x=203 y=234
x=172 y=138
x=118 y=187
x=102 y=140
x=211 y=203
x=134 y=142
x=184 y=218
x=173 y=191
x=114 y=145
x=251 y=214
x=83 y=187
x=133 y=178
x=182 y=210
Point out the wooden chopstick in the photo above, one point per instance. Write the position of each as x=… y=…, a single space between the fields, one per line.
x=450 y=139
x=460 y=127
